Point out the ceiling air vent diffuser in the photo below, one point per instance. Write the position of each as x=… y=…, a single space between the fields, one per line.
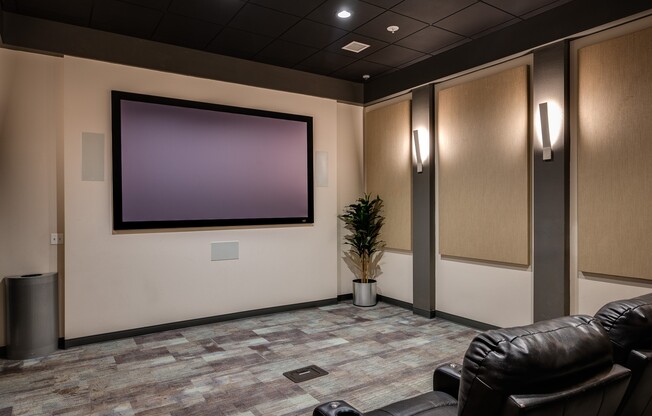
x=355 y=47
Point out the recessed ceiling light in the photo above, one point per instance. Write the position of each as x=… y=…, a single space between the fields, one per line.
x=392 y=28
x=344 y=14
x=355 y=47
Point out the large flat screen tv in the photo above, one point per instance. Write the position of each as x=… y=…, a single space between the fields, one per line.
x=179 y=163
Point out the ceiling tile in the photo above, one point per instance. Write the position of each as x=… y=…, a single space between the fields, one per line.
x=519 y=7
x=297 y=8
x=394 y=56
x=356 y=70
x=238 y=43
x=184 y=31
x=545 y=8
x=213 y=11
x=262 y=20
x=496 y=28
x=474 y=19
x=313 y=34
x=430 y=39
x=385 y=4
x=77 y=12
x=419 y=59
x=361 y=13
x=324 y=62
x=8 y=5
x=152 y=4
x=377 y=28
x=284 y=53
x=125 y=18
x=452 y=46
x=374 y=45
x=431 y=11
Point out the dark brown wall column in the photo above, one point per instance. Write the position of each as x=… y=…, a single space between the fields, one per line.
x=423 y=208
x=551 y=186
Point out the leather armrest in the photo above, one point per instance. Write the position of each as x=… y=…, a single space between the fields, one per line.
x=637 y=357
x=618 y=376
x=336 y=408
x=447 y=379
x=637 y=396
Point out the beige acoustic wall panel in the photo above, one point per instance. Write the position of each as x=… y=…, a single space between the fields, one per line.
x=484 y=196
x=388 y=169
x=615 y=156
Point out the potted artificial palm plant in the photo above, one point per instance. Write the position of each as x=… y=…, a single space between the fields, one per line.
x=364 y=220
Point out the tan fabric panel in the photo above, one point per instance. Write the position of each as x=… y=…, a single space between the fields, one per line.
x=388 y=169
x=484 y=192
x=614 y=168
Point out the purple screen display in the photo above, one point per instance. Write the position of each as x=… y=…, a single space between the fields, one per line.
x=183 y=163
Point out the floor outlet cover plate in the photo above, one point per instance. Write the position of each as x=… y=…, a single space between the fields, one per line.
x=305 y=373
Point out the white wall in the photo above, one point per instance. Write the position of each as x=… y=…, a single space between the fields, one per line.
x=121 y=281
x=396 y=280
x=30 y=103
x=495 y=294
x=589 y=293
x=350 y=179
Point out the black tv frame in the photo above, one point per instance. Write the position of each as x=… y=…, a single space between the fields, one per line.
x=119 y=224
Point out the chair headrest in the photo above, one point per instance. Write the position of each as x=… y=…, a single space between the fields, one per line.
x=629 y=324
x=539 y=358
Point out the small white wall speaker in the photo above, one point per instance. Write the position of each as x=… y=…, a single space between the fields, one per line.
x=321 y=169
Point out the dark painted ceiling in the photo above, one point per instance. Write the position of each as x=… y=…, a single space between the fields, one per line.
x=302 y=34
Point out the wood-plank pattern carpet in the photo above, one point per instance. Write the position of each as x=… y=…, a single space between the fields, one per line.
x=374 y=356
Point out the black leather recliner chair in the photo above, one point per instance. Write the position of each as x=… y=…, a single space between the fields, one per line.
x=629 y=325
x=558 y=367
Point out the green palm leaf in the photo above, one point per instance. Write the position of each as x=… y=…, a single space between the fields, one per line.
x=364 y=221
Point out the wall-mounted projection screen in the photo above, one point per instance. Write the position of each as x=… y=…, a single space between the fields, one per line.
x=388 y=169
x=484 y=192
x=614 y=169
x=180 y=163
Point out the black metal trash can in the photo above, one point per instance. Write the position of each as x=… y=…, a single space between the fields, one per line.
x=32 y=303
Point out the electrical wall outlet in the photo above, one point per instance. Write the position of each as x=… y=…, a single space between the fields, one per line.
x=56 y=238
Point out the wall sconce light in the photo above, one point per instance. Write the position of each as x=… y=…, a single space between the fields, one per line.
x=419 y=149
x=545 y=131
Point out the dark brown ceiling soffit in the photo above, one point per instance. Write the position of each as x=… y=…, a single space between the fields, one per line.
x=23 y=32
x=561 y=22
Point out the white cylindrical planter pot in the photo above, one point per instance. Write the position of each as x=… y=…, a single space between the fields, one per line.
x=364 y=294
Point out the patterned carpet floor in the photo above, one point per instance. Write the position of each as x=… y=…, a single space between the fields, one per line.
x=374 y=356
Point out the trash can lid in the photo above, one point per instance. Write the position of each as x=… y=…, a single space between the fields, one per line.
x=31 y=275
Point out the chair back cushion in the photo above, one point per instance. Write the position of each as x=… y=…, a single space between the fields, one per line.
x=541 y=358
x=629 y=325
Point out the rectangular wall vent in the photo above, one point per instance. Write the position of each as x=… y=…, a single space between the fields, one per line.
x=356 y=47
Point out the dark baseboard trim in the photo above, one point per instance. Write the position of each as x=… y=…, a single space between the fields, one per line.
x=380 y=298
x=395 y=302
x=465 y=321
x=424 y=313
x=111 y=336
